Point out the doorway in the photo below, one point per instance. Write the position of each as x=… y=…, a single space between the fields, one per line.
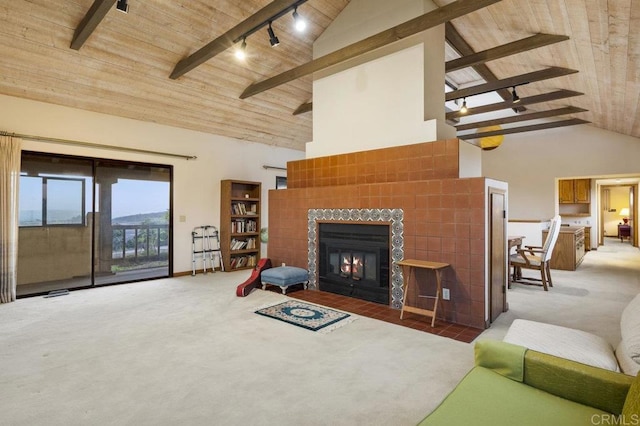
x=497 y=253
x=618 y=208
x=87 y=222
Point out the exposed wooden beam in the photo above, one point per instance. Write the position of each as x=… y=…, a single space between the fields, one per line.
x=303 y=108
x=533 y=127
x=504 y=50
x=384 y=38
x=89 y=23
x=529 y=100
x=456 y=41
x=226 y=40
x=521 y=117
x=518 y=80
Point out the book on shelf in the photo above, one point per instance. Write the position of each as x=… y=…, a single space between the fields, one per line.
x=238 y=244
x=238 y=209
x=242 y=225
x=241 y=209
x=244 y=261
x=238 y=226
x=251 y=243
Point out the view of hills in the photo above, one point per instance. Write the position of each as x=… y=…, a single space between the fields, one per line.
x=158 y=218
x=61 y=217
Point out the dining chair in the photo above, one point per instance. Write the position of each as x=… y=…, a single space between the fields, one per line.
x=537 y=258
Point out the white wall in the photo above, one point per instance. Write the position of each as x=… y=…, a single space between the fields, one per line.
x=375 y=105
x=531 y=162
x=532 y=231
x=393 y=96
x=196 y=182
x=470 y=160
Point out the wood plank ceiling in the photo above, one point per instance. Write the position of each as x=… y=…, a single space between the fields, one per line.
x=123 y=67
x=604 y=46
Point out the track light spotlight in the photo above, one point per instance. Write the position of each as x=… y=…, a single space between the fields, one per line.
x=122 y=6
x=515 y=98
x=463 y=108
x=272 y=37
x=299 y=22
x=241 y=52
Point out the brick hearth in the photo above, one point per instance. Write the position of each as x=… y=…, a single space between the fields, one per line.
x=444 y=216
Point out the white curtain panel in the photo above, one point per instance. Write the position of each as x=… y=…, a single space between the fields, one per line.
x=9 y=178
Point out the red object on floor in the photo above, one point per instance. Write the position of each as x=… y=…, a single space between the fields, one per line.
x=254 y=280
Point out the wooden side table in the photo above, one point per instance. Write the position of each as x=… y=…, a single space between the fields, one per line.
x=408 y=268
x=624 y=231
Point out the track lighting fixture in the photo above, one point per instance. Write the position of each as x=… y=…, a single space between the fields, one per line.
x=241 y=52
x=463 y=108
x=272 y=37
x=515 y=98
x=122 y=6
x=299 y=22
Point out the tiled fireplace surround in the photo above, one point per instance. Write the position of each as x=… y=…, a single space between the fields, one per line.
x=443 y=215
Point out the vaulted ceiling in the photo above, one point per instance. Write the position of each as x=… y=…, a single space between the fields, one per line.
x=123 y=67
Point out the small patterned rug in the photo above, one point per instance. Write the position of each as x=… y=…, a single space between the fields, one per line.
x=305 y=315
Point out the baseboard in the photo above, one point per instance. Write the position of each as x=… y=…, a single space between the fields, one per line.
x=185 y=273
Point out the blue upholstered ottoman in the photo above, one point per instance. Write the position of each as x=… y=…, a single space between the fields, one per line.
x=284 y=276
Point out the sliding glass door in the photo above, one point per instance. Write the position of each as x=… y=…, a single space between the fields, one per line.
x=54 y=238
x=86 y=222
x=132 y=222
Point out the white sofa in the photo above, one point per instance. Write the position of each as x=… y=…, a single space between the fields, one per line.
x=581 y=346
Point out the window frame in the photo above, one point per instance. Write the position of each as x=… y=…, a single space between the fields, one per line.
x=45 y=197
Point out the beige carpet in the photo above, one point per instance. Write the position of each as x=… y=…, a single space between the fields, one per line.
x=591 y=298
x=188 y=351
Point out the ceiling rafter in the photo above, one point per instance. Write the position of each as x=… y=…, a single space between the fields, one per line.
x=518 y=46
x=521 y=117
x=545 y=74
x=306 y=107
x=529 y=100
x=399 y=32
x=227 y=39
x=90 y=22
x=455 y=40
x=522 y=45
x=531 y=128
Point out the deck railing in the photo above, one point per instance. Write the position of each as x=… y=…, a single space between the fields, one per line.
x=140 y=243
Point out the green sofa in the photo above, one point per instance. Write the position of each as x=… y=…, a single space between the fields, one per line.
x=511 y=385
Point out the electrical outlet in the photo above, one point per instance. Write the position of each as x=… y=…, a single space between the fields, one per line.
x=445 y=294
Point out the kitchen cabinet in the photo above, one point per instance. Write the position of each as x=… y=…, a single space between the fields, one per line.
x=568 y=253
x=574 y=191
x=574 y=197
x=587 y=238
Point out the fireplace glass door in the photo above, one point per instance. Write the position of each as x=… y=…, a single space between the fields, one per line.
x=354 y=260
x=354 y=265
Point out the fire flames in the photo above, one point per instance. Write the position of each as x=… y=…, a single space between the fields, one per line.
x=352 y=265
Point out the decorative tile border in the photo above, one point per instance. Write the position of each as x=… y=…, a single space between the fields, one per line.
x=394 y=216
